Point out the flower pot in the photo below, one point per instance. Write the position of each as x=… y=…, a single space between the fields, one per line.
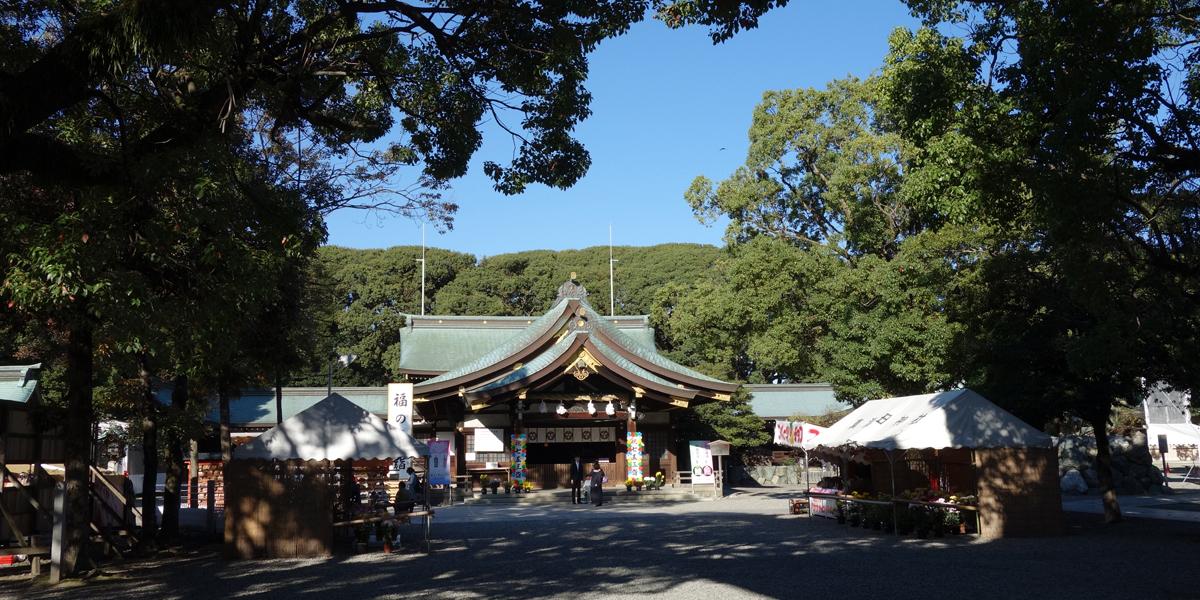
x=387 y=546
x=629 y=488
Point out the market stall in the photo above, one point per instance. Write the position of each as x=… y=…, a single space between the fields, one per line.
x=923 y=450
x=289 y=488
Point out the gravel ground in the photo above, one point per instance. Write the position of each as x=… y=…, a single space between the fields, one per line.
x=739 y=547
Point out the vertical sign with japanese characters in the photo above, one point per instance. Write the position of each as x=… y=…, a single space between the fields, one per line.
x=400 y=401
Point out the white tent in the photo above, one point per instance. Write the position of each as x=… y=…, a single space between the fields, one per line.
x=954 y=419
x=332 y=429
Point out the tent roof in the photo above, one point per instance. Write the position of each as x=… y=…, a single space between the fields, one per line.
x=1178 y=434
x=332 y=429
x=954 y=419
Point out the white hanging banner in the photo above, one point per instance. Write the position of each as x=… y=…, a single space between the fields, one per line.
x=400 y=401
x=797 y=434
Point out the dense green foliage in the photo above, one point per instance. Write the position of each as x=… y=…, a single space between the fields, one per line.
x=358 y=298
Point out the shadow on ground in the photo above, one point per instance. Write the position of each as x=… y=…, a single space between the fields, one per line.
x=716 y=555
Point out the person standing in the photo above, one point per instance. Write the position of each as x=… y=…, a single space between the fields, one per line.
x=597 y=484
x=576 y=481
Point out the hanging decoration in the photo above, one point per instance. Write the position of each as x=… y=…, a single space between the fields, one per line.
x=561 y=410
x=517 y=472
x=610 y=410
x=633 y=455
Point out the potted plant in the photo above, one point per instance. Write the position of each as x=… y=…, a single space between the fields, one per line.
x=507 y=487
x=483 y=484
x=629 y=484
x=854 y=514
x=527 y=487
x=904 y=520
x=638 y=484
x=841 y=512
x=922 y=521
x=659 y=480
x=495 y=485
x=953 y=521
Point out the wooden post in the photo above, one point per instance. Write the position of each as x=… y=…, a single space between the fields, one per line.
x=209 y=518
x=58 y=537
x=3 y=450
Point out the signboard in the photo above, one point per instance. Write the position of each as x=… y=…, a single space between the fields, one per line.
x=702 y=469
x=823 y=507
x=439 y=462
x=400 y=401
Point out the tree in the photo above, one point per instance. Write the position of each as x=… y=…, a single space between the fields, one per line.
x=1087 y=117
x=838 y=264
x=526 y=283
x=359 y=298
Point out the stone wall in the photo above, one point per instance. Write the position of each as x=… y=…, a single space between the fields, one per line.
x=1134 y=471
x=771 y=475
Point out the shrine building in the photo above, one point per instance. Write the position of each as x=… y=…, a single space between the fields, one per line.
x=571 y=382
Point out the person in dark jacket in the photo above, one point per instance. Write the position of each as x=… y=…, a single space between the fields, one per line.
x=576 y=481
x=597 y=487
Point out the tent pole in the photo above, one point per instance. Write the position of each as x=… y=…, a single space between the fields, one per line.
x=892 y=468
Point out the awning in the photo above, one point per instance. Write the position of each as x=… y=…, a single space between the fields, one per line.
x=1178 y=434
x=332 y=429
x=954 y=419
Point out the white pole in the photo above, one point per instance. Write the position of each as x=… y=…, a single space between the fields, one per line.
x=612 y=302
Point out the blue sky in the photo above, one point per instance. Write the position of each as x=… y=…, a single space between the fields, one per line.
x=664 y=104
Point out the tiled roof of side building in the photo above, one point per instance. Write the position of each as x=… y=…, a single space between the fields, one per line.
x=440 y=343
x=18 y=383
x=785 y=400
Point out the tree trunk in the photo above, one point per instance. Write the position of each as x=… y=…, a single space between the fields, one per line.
x=194 y=474
x=78 y=446
x=171 y=496
x=1104 y=472
x=149 y=457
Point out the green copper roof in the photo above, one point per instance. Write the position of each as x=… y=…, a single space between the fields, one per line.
x=443 y=343
x=257 y=407
x=786 y=400
x=628 y=365
x=647 y=353
x=18 y=383
x=443 y=349
x=521 y=339
x=540 y=362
